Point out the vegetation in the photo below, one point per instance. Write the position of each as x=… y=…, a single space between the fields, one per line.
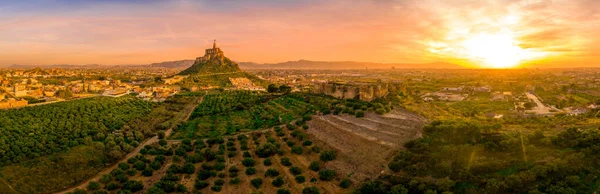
x=229 y=112
x=450 y=157
x=31 y=132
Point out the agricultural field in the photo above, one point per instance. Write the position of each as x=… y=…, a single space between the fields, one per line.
x=229 y=112
x=109 y=128
x=287 y=158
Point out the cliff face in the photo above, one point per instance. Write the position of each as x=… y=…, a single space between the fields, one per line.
x=365 y=92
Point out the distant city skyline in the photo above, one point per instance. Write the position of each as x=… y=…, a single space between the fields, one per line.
x=489 y=34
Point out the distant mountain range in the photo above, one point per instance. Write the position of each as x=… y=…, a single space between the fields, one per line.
x=305 y=64
x=300 y=64
x=174 y=64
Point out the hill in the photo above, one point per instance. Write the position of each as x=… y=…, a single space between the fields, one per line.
x=215 y=70
x=213 y=62
x=305 y=64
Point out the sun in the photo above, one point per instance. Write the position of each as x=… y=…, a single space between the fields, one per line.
x=495 y=50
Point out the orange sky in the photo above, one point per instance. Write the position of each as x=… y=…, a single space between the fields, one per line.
x=559 y=33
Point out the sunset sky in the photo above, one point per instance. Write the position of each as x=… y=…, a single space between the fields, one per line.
x=472 y=33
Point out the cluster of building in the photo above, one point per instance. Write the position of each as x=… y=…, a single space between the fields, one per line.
x=23 y=87
x=242 y=83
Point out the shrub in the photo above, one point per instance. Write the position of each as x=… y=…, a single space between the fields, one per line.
x=314 y=166
x=216 y=188
x=300 y=178
x=278 y=182
x=247 y=154
x=256 y=183
x=112 y=186
x=297 y=150
x=121 y=178
x=106 y=178
x=204 y=174
x=93 y=185
x=123 y=166
x=189 y=168
x=220 y=158
x=286 y=161
x=280 y=133
x=327 y=156
x=206 y=166
x=162 y=142
x=380 y=111
x=133 y=186
x=180 y=188
x=201 y=184
x=79 y=191
x=345 y=183
x=233 y=169
x=209 y=155
x=271 y=172
x=219 y=166
x=326 y=175
x=231 y=154
x=122 y=192
x=267 y=162
x=283 y=191
x=295 y=170
x=248 y=162
x=174 y=169
x=315 y=149
x=147 y=172
x=155 y=165
x=266 y=150
x=290 y=143
x=131 y=172
x=360 y=114
x=234 y=181
x=139 y=165
x=310 y=190
x=307 y=143
x=219 y=182
x=250 y=171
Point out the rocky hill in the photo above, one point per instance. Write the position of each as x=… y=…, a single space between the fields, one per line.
x=215 y=70
x=212 y=66
x=213 y=62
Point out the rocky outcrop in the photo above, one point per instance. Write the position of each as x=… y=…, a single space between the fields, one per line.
x=361 y=91
x=213 y=61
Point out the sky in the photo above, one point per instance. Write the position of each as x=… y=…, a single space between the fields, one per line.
x=472 y=33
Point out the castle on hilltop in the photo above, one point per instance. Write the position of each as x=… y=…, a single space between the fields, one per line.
x=211 y=53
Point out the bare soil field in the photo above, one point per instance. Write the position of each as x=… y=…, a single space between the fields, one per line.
x=366 y=144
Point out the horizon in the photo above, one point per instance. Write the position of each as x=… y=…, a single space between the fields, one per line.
x=535 y=34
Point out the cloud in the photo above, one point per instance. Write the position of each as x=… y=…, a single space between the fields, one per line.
x=270 y=31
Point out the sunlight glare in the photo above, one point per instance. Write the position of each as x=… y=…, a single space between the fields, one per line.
x=495 y=50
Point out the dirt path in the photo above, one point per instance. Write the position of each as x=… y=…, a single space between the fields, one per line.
x=132 y=154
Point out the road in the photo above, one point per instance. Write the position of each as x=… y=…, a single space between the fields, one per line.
x=132 y=154
x=540 y=108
